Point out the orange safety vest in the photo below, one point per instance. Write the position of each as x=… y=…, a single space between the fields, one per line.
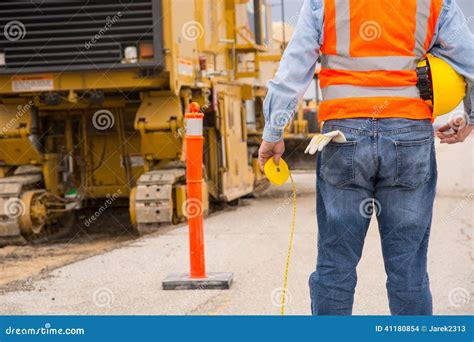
x=370 y=52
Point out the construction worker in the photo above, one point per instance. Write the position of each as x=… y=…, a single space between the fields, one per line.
x=381 y=158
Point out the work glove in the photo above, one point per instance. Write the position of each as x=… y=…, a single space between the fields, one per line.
x=320 y=141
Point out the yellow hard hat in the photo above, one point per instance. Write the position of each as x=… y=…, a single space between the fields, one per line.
x=440 y=85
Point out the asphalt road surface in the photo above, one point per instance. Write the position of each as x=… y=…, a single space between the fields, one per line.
x=251 y=241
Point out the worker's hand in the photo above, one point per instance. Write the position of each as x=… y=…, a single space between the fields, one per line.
x=454 y=132
x=319 y=141
x=270 y=149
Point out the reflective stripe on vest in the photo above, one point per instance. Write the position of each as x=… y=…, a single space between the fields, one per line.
x=343 y=27
x=349 y=91
x=369 y=63
x=422 y=15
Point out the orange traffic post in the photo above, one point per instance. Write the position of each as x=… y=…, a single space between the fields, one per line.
x=197 y=278
x=194 y=151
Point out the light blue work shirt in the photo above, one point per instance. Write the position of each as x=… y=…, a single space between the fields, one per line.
x=453 y=41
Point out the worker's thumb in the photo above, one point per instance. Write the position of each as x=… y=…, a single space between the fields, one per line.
x=444 y=128
x=276 y=158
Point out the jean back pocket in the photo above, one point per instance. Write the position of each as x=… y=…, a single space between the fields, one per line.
x=337 y=163
x=413 y=162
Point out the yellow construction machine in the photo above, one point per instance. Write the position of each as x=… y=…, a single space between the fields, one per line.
x=92 y=101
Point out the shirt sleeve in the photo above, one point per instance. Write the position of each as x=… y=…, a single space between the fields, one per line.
x=295 y=72
x=454 y=42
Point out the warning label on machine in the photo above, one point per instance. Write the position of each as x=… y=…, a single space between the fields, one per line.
x=32 y=83
x=185 y=67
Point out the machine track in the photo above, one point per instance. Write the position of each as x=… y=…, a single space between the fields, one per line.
x=151 y=201
x=12 y=207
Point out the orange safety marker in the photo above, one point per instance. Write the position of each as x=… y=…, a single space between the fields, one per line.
x=197 y=278
x=194 y=151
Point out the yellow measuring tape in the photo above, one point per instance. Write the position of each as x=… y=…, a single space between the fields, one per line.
x=278 y=175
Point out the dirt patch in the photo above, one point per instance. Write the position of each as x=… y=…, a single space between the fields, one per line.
x=18 y=263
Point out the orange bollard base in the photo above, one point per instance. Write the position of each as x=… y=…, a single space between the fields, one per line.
x=213 y=281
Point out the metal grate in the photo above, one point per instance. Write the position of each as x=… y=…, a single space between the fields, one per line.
x=59 y=35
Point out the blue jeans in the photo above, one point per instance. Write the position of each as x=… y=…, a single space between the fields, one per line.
x=388 y=168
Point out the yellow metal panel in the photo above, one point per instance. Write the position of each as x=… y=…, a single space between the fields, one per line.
x=51 y=173
x=15 y=119
x=205 y=198
x=159 y=120
x=103 y=152
x=212 y=164
x=18 y=151
x=94 y=192
x=15 y=128
x=237 y=176
x=180 y=199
